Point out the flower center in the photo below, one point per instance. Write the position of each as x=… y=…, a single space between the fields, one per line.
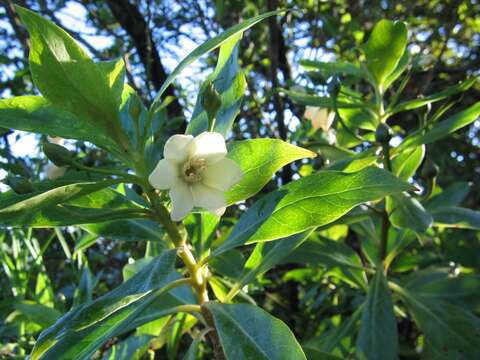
x=192 y=170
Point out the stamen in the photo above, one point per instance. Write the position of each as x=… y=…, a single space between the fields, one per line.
x=193 y=169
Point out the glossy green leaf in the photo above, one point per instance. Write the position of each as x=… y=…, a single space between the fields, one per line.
x=127 y=230
x=456 y=217
x=229 y=264
x=37 y=313
x=358 y=118
x=385 y=48
x=378 y=338
x=201 y=230
x=192 y=353
x=20 y=208
x=438 y=284
x=443 y=128
x=248 y=332
x=36 y=114
x=354 y=162
x=328 y=69
x=98 y=206
x=84 y=329
x=406 y=212
x=453 y=195
x=68 y=77
x=399 y=69
x=303 y=98
x=406 y=163
x=259 y=159
x=265 y=256
x=452 y=90
x=451 y=332
x=330 y=254
x=230 y=83
x=212 y=44
x=132 y=348
x=315 y=200
x=328 y=342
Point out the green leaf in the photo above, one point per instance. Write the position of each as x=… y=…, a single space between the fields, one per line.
x=39 y=314
x=84 y=329
x=66 y=75
x=265 y=256
x=329 y=253
x=114 y=72
x=378 y=338
x=20 y=209
x=127 y=230
x=452 y=90
x=328 y=342
x=406 y=163
x=303 y=98
x=315 y=200
x=328 y=69
x=132 y=349
x=228 y=264
x=259 y=159
x=210 y=45
x=201 y=230
x=229 y=81
x=456 y=217
x=354 y=162
x=36 y=114
x=399 y=69
x=450 y=331
x=248 y=332
x=191 y=354
x=385 y=48
x=438 y=284
x=443 y=128
x=358 y=118
x=406 y=212
x=453 y=195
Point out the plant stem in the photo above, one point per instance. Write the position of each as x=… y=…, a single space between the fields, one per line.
x=198 y=273
x=387 y=165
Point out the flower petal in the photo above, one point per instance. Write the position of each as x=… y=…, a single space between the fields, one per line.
x=182 y=200
x=207 y=197
x=165 y=175
x=219 y=212
x=209 y=146
x=222 y=174
x=54 y=172
x=176 y=148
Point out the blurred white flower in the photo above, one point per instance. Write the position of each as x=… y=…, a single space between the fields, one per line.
x=56 y=140
x=196 y=172
x=54 y=172
x=321 y=118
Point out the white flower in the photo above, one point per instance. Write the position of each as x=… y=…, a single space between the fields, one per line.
x=54 y=172
x=56 y=140
x=196 y=172
x=321 y=118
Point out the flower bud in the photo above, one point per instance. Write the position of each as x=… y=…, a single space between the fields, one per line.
x=383 y=134
x=19 y=184
x=57 y=154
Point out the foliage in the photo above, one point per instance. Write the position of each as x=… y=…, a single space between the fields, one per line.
x=358 y=249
